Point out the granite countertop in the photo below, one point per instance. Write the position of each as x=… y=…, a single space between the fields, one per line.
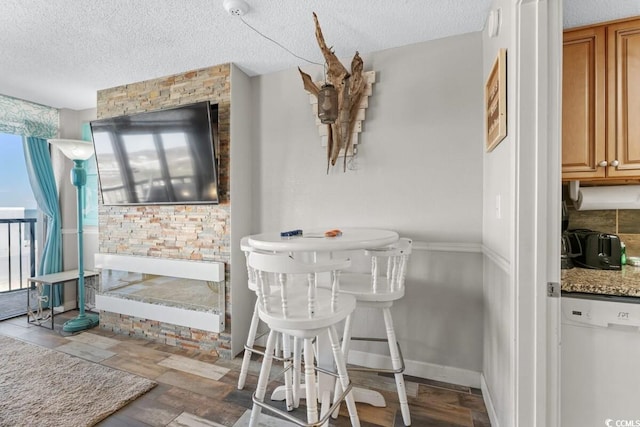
x=625 y=282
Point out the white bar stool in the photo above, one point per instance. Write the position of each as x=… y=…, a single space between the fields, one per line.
x=302 y=312
x=255 y=321
x=379 y=290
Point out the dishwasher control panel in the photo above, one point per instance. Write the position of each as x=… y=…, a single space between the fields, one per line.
x=599 y=312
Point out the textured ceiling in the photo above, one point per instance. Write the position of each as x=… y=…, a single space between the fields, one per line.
x=583 y=12
x=60 y=52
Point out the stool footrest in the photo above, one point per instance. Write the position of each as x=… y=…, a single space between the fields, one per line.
x=380 y=370
x=261 y=353
x=299 y=422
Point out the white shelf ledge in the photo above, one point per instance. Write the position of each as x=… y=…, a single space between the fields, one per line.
x=202 y=320
x=197 y=270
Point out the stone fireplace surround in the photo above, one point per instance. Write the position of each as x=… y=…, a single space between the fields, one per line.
x=188 y=232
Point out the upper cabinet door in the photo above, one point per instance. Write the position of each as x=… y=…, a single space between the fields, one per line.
x=583 y=104
x=623 y=105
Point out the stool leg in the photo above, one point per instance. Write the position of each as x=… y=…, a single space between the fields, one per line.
x=297 y=356
x=310 y=382
x=277 y=351
x=286 y=353
x=346 y=338
x=397 y=364
x=261 y=388
x=343 y=375
x=251 y=337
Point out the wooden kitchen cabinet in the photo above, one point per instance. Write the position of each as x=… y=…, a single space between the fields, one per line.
x=623 y=103
x=583 y=103
x=601 y=102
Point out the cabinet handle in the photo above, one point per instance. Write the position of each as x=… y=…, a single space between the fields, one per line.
x=614 y=163
x=603 y=164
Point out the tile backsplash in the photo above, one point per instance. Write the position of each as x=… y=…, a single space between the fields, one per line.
x=623 y=222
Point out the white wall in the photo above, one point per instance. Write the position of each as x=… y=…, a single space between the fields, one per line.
x=419 y=161
x=418 y=171
x=242 y=299
x=498 y=183
x=498 y=368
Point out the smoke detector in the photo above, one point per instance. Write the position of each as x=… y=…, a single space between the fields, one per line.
x=236 y=7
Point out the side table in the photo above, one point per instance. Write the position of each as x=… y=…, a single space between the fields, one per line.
x=37 y=283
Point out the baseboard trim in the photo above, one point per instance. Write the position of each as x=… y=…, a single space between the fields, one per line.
x=432 y=371
x=488 y=402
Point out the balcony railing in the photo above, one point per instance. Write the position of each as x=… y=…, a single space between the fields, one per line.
x=17 y=252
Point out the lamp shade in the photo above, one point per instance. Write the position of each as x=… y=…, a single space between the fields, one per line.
x=74 y=149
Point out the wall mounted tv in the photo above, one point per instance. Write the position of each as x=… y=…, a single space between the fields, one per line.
x=158 y=157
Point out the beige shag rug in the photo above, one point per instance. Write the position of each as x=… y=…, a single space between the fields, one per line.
x=42 y=387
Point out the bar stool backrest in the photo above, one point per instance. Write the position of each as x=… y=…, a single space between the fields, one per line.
x=283 y=268
x=396 y=256
x=251 y=274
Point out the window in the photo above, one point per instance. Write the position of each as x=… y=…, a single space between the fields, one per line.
x=90 y=213
x=18 y=211
x=15 y=189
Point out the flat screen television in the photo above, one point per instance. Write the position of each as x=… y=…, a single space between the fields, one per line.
x=158 y=157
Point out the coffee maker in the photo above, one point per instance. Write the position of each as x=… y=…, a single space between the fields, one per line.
x=570 y=247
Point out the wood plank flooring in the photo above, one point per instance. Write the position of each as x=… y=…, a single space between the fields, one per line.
x=197 y=389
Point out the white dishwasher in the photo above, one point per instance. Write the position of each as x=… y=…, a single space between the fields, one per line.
x=600 y=361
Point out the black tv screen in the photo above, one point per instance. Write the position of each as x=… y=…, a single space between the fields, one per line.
x=158 y=157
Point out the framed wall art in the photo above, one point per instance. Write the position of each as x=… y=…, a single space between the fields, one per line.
x=495 y=97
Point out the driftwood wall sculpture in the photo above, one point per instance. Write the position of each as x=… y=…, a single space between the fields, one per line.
x=353 y=87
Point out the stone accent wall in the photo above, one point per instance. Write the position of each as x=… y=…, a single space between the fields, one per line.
x=198 y=232
x=186 y=338
x=208 y=84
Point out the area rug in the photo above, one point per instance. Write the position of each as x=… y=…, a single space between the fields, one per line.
x=39 y=387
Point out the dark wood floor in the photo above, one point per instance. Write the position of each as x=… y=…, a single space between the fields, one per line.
x=196 y=389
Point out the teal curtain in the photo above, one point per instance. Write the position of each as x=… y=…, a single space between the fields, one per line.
x=36 y=123
x=43 y=184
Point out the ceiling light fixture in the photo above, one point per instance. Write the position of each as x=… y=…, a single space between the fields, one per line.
x=236 y=7
x=239 y=8
x=327 y=97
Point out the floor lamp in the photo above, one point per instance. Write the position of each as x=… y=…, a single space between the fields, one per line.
x=78 y=151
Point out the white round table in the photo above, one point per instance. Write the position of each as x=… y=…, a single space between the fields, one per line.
x=313 y=240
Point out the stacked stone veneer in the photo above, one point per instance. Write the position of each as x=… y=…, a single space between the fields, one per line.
x=186 y=338
x=197 y=232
